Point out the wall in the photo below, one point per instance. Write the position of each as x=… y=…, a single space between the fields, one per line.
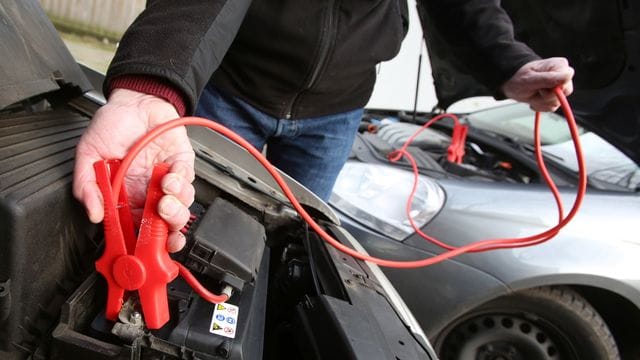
x=395 y=88
x=396 y=84
x=102 y=18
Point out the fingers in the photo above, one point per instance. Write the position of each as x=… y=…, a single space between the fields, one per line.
x=546 y=74
x=544 y=80
x=180 y=195
x=184 y=168
x=176 y=215
x=554 y=72
x=174 y=207
x=174 y=212
x=544 y=101
x=567 y=88
x=176 y=185
x=551 y=64
x=532 y=83
x=182 y=165
x=175 y=241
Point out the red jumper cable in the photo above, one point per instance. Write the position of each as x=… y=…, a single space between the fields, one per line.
x=481 y=245
x=127 y=272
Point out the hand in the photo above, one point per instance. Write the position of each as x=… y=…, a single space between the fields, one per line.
x=534 y=81
x=127 y=116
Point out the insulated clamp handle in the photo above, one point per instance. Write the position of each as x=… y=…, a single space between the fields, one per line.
x=127 y=264
x=151 y=250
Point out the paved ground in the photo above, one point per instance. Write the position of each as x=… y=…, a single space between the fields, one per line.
x=90 y=51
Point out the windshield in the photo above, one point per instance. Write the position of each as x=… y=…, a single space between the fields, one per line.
x=604 y=161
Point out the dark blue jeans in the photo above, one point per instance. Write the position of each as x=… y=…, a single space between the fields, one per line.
x=312 y=151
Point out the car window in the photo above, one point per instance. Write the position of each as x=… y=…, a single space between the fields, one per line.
x=604 y=161
x=516 y=121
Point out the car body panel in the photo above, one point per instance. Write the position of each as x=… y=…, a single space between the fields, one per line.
x=490 y=210
x=439 y=293
x=589 y=251
x=38 y=60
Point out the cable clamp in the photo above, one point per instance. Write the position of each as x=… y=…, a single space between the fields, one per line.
x=455 y=152
x=129 y=264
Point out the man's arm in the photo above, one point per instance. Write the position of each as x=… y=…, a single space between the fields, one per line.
x=505 y=66
x=162 y=64
x=483 y=30
x=179 y=42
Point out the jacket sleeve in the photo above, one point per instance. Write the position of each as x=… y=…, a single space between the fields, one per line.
x=181 y=42
x=481 y=36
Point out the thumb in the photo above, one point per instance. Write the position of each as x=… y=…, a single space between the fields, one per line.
x=93 y=201
x=85 y=188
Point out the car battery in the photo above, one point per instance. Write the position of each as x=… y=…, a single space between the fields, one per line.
x=197 y=328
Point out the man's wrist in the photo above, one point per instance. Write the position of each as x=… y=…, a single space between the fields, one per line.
x=152 y=86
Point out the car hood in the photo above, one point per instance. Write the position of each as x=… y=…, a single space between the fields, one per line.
x=36 y=61
x=601 y=39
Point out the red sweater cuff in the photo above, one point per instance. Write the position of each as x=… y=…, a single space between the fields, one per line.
x=152 y=86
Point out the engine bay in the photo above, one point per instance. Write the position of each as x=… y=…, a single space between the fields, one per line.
x=488 y=156
x=293 y=296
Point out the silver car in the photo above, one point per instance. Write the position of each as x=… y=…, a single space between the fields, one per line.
x=576 y=296
x=503 y=301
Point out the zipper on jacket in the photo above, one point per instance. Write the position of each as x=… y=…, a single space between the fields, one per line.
x=328 y=36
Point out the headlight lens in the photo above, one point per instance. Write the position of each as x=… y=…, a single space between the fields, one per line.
x=376 y=196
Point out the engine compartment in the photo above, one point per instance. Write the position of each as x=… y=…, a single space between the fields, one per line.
x=294 y=297
x=488 y=156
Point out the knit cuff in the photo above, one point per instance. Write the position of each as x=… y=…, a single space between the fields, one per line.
x=150 y=85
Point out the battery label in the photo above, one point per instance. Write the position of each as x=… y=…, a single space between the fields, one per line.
x=224 y=320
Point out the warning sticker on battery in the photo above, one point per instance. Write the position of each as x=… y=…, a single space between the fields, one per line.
x=224 y=320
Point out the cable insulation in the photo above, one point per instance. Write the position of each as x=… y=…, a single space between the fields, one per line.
x=482 y=245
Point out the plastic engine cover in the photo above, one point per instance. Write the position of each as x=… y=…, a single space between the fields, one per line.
x=227 y=245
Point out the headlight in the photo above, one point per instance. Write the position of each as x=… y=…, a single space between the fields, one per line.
x=376 y=196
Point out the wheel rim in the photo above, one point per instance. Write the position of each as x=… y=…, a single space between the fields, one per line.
x=504 y=337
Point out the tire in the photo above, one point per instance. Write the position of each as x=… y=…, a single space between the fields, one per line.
x=546 y=323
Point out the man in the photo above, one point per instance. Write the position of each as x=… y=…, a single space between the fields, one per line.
x=291 y=74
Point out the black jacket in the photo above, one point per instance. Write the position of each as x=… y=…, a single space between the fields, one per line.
x=298 y=59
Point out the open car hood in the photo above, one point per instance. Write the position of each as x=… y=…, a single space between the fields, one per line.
x=601 y=39
x=35 y=60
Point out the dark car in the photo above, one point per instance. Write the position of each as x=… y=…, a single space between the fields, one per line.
x=576 y=296
x=293 y=296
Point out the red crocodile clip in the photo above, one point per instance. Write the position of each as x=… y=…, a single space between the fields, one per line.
x=455 y=152
x=129 y=264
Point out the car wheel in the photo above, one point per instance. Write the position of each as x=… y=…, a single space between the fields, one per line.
x=545 y=323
